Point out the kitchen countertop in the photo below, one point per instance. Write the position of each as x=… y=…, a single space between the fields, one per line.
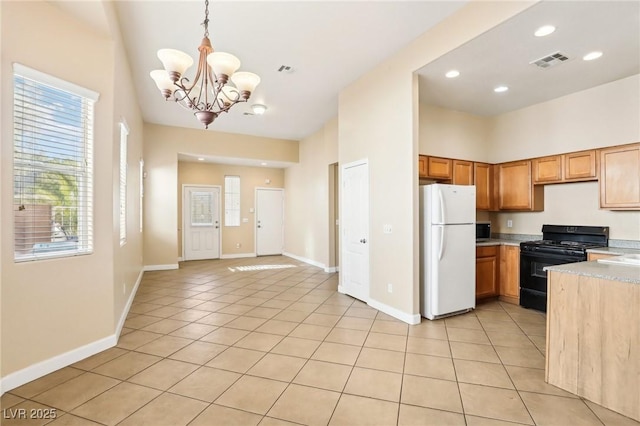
x=614 y=251
x=606 y=271
x=498 y=242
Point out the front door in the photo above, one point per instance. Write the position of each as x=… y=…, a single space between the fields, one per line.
x=269 y=221
x=201 y=222
x=354 y=223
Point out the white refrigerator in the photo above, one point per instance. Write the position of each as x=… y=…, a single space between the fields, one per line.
x=447 y=250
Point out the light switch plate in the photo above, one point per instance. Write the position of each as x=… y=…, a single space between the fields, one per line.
x=386 y=229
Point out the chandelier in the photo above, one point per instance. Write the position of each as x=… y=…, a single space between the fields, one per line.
x=211 y=93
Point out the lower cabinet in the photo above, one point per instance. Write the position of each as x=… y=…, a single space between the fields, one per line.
x=510 y=274
x=487 y=267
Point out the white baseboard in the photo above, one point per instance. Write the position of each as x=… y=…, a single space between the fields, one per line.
x=125 y=311
x=396 y=313
x=180 y=259
x=305 y=260
x=237 y=255
x=167 y=267
x=331 y=269
x=50 y=365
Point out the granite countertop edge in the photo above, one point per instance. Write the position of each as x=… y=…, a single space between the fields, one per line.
x=623 y=273
x=497 y=242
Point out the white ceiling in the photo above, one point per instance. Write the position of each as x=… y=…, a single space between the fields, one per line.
x=502 y=56
x=329 y=44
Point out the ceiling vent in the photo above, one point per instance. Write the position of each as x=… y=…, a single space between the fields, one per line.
x=550 y=60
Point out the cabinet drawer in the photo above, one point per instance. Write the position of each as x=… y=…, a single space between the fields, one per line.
x=487 y=251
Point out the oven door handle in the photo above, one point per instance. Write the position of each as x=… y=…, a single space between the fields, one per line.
x=549 y=256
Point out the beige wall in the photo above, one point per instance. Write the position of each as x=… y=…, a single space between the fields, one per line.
x=453 y=134
x=604 y=115
x=161 y=148
x=190 y=173
x=127 y=260
x=55 y=306
x=308 y=204
x=386 y=132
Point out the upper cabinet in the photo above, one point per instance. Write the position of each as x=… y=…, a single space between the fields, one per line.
x=423 y=161
x=483 y=179
x=620 y=177
x=581 y=166
x=462 y=172
x=515 y=187
x=572 y=167
x=439 y=168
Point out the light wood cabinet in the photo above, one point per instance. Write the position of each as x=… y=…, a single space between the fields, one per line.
x=439 y=168
x=483 y=179
x=596 y=256
x=516 y=190
x=510 y=274
x=620 y=178
x=572 y=167
x=547 y=169
x=580 y=166
x=462 y=172
x=487 y=270
x=422 y=166
x=593 y=340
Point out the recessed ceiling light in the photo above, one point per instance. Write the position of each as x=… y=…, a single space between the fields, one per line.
x=200 y=159
x=263 y=164
x=501 y=89
x=545 y=30
x=452 y=74
x=591 y=56
x=258 y=109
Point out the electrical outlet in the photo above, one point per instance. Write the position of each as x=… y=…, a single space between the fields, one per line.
x=509 y=223
x=389 y=288
x=386 y=229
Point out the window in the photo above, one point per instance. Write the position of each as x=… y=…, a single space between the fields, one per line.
x=141 y=177
x=232 y=200
x=52 y=166
x=124 y=133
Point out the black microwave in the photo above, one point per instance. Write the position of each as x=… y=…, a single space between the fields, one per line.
x=483 y=231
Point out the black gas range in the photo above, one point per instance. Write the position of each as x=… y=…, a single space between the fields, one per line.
x=560 y=244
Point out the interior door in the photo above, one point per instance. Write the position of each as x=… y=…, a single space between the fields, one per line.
x=201 y=222
x=269 y=221
x=354 y=214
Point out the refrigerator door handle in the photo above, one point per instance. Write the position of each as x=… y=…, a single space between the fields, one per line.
x=441 y=252
x=442 y=219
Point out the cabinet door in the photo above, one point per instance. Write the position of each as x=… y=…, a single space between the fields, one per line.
x=483 y=181
x=439 y=168
x=516 y=190
x=596 y=256
x=422 y=166
x=462 y=172
x=547 y=169
x=581 y=166
x=510 y=273
x=620 y=178
x=486 y=271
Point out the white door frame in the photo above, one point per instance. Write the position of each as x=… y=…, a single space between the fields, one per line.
x=184 y=185
x=343 y=243
x=255 y=215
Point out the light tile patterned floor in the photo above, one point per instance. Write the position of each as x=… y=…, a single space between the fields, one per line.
x=270 y=341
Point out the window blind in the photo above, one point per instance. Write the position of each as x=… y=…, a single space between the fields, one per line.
x=124 y=134
x=232 y=200
x=52 y=166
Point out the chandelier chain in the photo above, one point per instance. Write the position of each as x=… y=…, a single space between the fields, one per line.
x=206 y=18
